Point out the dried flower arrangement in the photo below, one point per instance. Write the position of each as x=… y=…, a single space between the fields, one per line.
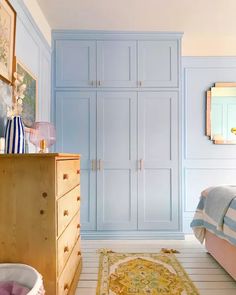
x=18 y=95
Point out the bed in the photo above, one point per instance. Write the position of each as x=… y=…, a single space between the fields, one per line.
x=215 y=223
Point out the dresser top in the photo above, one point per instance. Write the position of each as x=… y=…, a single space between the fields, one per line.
x=40 y=155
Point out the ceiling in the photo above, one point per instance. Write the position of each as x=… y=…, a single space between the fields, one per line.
x=208 y=25
x=137 y=14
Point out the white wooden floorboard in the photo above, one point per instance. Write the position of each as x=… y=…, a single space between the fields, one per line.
x=204 y=271
x=213 y=292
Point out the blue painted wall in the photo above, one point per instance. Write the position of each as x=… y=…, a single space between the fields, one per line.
x=204 y=164
x=33 y=50
x=35 y=53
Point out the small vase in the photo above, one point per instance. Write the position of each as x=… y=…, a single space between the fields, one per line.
x=15 y=136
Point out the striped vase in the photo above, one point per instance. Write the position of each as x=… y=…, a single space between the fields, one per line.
x=15 y=136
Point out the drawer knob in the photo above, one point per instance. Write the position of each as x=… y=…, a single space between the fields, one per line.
x=66 y=213
x=66 y=287
x=79 y=253
x=78 y=198
x=78 y=225
x=66 y=249
x=44 y=195
x=65 y=176
x=77 y=171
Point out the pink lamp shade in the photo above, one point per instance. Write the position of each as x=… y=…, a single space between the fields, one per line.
x=42 y=132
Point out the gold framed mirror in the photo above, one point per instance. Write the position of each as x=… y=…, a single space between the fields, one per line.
x=221 y=113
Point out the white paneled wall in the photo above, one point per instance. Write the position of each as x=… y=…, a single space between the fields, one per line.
x=204 y=163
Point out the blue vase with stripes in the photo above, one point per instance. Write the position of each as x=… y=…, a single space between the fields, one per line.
x=15 y=136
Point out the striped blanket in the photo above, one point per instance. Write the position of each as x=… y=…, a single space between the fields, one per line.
x=217 y=215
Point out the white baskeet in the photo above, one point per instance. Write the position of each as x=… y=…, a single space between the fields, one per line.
x=24 y=275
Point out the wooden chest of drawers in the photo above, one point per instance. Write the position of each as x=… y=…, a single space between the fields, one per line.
x=40 y=216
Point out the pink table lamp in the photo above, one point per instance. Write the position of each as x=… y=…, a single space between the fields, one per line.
x=42 y=135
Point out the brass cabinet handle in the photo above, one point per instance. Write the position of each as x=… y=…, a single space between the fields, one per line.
x=78 y=199
x=100 y=166
x=141 y=164
x=65 y=176
x=78 y=225
x=77 y=171
x=66 y=213
x=79 y=253
x=93 y=165
x=66 y=249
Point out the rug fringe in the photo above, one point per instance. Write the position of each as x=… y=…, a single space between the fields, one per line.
x=169 y=251
x=104 y=251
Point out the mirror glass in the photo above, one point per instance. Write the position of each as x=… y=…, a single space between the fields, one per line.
x=221 y=113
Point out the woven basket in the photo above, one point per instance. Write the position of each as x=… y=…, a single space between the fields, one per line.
x=24 y=275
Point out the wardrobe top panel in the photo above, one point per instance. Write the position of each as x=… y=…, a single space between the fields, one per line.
x=110 y=35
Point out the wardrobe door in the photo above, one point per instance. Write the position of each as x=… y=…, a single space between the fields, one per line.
x=76 y=133
x=75 y=64
x=158 y=161
x=116 y=64
x=158 y=63
x=117 y=164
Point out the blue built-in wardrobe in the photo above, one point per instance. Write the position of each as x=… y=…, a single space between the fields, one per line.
x=117 y=103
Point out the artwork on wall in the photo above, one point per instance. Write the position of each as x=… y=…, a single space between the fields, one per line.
x=7 y=40
x=30 y=101
x=5 y=103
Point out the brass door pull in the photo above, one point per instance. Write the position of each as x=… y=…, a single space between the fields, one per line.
x=100 y=166
x=141 y=164
x=93 y=165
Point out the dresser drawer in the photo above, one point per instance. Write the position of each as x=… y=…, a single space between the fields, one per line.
x=67 y=241
x=68 y=175
x=68 y=273
x=67 y=206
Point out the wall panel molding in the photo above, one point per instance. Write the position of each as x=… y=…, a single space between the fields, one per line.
x=33 y=50
x=204 y=164
x=24 y=14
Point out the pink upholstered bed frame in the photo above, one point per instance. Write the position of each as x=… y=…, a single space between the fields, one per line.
x=223 y=252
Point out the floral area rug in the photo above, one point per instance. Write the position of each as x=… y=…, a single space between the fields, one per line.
x=142 y=274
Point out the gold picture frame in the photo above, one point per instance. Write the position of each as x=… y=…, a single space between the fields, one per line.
x=222 y=89
x=7 y=40
x=30 y=101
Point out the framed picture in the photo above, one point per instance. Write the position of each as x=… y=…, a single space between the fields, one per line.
x=5 y=103
x=30 y=101
x=7 y=40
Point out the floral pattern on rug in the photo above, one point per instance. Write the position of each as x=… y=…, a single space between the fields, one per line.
x=142 y=274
